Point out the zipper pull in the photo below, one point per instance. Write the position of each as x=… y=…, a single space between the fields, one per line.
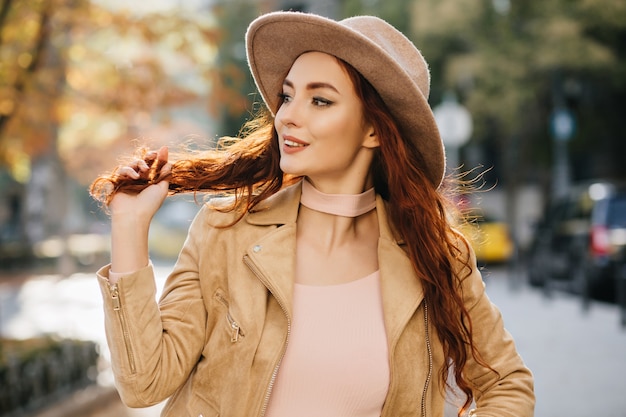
x=236 y=332
x=115 y=297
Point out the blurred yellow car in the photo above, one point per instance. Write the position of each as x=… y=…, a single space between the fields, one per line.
x=490 y=239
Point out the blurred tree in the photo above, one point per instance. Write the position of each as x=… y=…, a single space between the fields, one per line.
x=513 y=62
x=101 y=75
x=397 y=12
x=79 y=81
x=234 y=84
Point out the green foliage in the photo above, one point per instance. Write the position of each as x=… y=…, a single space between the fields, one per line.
x=398 y=12
x=231 y=98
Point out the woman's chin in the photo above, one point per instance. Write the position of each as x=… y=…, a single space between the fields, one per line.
x=291 y=170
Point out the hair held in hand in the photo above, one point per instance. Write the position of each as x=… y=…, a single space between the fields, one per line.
x=246 y=167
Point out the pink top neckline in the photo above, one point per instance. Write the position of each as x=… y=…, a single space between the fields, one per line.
x=342 y=284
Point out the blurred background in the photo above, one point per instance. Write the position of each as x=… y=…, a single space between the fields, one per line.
x=529 y=93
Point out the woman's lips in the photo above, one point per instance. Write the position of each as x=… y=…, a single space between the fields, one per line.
x=292 y=144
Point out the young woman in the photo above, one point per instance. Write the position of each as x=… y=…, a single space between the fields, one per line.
x=331 y=283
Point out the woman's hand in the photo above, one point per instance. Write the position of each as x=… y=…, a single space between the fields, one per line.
x=131 y=214
x=146 y=203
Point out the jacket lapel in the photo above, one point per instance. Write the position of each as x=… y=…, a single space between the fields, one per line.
x=401 y=291
x=273 y=256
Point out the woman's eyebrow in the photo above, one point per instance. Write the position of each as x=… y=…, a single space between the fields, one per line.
x=312 y=86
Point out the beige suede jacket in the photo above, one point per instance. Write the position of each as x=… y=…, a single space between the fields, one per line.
x=214 y=342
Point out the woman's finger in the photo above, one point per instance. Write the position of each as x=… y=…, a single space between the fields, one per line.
x=142 y=165
x=127 y=171
x=160 y=162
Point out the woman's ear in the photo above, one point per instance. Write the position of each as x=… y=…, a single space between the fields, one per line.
x=371 y=140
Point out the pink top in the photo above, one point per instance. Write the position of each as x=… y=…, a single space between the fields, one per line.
x=336 y=363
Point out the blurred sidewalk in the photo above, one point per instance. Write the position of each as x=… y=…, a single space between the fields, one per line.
x=96 y=401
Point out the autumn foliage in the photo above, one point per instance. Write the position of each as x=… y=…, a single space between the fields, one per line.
x=80 y=81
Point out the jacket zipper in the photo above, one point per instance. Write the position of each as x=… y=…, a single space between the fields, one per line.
x=430 y=360
x=236 y=330
x=117 y=307
x=260 y=276
x=232 y=323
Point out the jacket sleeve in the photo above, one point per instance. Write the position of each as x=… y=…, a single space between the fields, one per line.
x=509 y=391
x=154 y=347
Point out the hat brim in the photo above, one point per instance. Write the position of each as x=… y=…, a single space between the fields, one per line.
x=275 y=40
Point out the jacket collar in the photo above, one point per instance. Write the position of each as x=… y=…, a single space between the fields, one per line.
x=402 y=293
x=279 y=209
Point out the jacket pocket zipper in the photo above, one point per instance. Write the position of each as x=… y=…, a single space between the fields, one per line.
x=236 y=331
x=117 y=307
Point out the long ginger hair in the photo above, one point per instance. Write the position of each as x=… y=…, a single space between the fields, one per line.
x=248 y=167
x=421 y=214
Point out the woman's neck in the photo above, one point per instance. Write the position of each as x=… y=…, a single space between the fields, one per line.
x=334 y=227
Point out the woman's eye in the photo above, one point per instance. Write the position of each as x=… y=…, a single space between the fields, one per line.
x=284 y=97
x=321 y=102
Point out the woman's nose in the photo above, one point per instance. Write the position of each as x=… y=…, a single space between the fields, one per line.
x=288 y=114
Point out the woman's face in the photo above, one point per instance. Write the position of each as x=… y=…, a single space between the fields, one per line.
x=321 y=129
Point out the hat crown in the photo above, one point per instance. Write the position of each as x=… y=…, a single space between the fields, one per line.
x=396 y=45
x=386 y=58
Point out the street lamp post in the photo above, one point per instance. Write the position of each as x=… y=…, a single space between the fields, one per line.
x=562 y=127
x=455 y=127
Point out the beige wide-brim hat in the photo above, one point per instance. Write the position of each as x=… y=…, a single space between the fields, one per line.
x=381 y=53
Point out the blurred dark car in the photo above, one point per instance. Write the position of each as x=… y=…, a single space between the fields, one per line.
x=580 y=242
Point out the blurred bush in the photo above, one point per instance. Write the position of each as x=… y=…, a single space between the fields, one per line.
x=37 y=372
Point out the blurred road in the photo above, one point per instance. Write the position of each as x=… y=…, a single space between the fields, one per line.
x=579 y=359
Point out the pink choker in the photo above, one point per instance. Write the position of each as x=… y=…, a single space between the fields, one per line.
x=346 y=205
